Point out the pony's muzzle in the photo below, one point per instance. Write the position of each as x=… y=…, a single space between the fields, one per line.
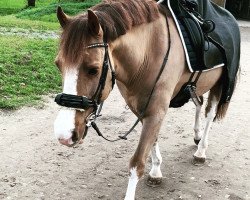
x=70 y=126
x=64 y=127
x=71 y=141
x=66 y=142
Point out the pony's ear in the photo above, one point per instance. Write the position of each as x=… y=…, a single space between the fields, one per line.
x=93 y=22
x=62 y=17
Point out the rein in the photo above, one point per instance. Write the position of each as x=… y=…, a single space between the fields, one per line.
x=82 y=102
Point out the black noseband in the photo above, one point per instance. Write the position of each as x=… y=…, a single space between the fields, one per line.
x=74 y=101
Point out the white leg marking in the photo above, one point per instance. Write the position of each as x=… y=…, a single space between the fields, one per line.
x=197 y=127
x=65 y=121
x=155 y=171
x=133 y=180
x=203 y=144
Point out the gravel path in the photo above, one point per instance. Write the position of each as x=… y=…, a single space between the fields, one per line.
x=28 y=33
x=33 y=166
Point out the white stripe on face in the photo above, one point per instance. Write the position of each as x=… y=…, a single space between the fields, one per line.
x=70 y=81
x=65 y=121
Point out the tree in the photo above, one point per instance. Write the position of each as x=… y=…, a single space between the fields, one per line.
x=31 y=3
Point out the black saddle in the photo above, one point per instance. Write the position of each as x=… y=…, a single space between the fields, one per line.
x=210 y=36
x=203 y=52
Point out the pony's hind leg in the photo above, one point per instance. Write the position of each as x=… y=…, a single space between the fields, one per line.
x=197 y=123
x=155 y=175
x=211 y=109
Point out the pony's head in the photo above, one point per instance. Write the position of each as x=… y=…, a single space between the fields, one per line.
x=80 y=60
x=83 y=56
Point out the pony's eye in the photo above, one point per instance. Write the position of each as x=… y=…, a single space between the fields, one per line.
x=92 y=71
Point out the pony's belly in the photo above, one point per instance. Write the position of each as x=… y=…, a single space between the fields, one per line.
x=206 y=81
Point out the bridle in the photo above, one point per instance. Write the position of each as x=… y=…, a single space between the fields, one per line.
x=83 y=102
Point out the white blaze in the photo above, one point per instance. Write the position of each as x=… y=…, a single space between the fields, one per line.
x=65 y=121
x=70 y=81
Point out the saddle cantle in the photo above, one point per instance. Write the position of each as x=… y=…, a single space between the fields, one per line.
x=211 y=38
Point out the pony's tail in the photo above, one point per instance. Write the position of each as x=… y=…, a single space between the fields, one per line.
x=221 y=111
x=223 y=106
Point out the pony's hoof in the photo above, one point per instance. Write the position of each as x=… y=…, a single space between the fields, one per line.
x=198 y=160
x=197 y=141
x=153 y=182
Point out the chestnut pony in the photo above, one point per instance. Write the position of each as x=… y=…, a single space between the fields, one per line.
x=136 y=35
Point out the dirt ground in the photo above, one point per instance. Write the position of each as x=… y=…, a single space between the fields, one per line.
x=33 y=165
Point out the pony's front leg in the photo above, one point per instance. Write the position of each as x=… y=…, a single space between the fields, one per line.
x=132 y=183
x=150 y=130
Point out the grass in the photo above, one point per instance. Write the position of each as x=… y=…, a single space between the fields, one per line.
x=14 y=6
x=47 y=13
x=13 y=22
x=11 y=6
x=42 y=17
x=27 y=71
x=12 y=3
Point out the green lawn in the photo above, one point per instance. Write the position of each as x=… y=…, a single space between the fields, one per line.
x=20 y=4
x=47 y=13
x=14 y=14
x=27 y=70
x=12 y=3
x=11 y=21
x=11 y=6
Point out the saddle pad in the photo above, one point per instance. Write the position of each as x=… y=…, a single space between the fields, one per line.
x=226 y=34
x=191 y=55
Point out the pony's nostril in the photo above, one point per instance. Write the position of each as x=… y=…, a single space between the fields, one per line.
x=74 y=136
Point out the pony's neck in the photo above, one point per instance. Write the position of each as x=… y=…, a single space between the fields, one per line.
x=135 y=53
x=129 y=53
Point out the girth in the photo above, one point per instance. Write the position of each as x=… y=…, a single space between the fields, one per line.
x=187 y=92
